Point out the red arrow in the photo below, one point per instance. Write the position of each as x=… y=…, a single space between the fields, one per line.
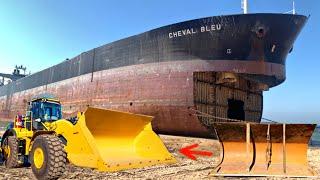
x=190 y=154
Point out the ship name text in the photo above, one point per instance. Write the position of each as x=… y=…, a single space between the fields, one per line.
x=190 y=31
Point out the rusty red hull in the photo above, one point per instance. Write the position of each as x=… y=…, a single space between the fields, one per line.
x=163 y=90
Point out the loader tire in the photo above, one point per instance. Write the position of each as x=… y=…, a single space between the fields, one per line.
x=47 y=157
x=11 y=152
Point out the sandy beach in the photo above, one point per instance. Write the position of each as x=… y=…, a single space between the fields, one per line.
x=184 y=169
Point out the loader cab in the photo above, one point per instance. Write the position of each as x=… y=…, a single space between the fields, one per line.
x=44 y=110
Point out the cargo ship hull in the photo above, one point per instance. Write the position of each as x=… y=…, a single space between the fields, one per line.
x=216 y=65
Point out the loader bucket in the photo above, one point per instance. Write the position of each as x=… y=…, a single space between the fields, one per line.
x=111 y=140
x=250 y=149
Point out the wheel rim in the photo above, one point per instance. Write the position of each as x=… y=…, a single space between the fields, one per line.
x=6 y=150
x=38 y=158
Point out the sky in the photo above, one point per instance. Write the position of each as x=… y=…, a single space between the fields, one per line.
x=42 y=33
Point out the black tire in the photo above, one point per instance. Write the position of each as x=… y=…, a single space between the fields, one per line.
x=1 y=159
x=55 y=157
x=11 y=160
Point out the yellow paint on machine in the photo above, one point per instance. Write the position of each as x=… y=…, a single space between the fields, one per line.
x=110 y=140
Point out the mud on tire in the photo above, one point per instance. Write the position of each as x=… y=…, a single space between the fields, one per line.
x=54 y=157
x=11 y=160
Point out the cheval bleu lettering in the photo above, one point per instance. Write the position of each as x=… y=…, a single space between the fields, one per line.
x=185 y=32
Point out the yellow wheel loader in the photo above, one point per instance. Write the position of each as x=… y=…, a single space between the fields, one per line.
x=101 y=139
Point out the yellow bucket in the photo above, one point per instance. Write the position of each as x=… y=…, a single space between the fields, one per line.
x=251 y=149
x=112 y=140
